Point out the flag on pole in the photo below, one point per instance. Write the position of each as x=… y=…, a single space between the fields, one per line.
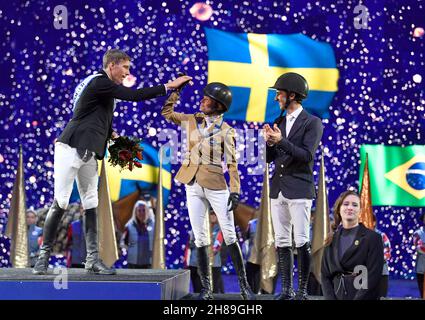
x=16 y=228
x=124 y=183
x=108 y=250
x=158 y=254
x=264 y=251
x=366 y=210
x=250 y=63
x=397 y=174
x=321 y=225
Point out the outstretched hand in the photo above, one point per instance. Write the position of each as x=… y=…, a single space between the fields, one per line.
x=177 y=83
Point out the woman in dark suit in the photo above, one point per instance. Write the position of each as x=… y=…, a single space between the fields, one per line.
x=353 y=258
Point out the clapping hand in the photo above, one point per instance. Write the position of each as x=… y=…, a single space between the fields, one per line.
x=272 y=135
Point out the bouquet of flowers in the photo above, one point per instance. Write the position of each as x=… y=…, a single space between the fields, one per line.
x=126 y=152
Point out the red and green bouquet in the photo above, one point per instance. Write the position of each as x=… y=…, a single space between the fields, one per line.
x=126 y=152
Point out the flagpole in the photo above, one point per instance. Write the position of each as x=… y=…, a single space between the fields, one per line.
x=321 y=225
x=108 y=249
x=16 y=228
x=158 y=254
x=366 y=213
x=263 y=251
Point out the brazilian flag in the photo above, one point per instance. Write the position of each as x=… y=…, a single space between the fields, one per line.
x=250 y=63
x=397 y=174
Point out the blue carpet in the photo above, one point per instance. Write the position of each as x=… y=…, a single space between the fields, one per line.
x=396 y=288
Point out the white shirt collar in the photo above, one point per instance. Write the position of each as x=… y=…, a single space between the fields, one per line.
x=210 y=119
x=294 y=115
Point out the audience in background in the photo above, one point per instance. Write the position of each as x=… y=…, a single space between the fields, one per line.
x=387 y=256
x=34 y=236
x=419 y=242
x=138 y=236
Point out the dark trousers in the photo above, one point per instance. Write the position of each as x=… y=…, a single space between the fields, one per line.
x=420 y=279
x=383 y=286
x=139 y=266
x=217 y=280
x=313 y=287
x=253 y=275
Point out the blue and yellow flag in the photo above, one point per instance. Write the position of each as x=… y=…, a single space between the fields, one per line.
x=250 y=63
x=397 y=174
x=123 y=183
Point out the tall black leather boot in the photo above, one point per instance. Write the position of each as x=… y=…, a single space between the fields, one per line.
x=285 y=264
x=204 y=275
x=304 y=262
x=236 y=254
x=93 y=263
x=50 y=228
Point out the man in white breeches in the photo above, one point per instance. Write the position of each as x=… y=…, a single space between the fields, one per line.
x=82 y=143
x=291 y=145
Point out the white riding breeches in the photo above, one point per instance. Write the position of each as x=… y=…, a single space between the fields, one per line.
x=197 y=204
x=68 y=166
x=287 y=213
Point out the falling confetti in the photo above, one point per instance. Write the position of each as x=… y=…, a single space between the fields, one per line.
x=418 y=32
x=380 y=97
x=417 y=78
x=201 y=11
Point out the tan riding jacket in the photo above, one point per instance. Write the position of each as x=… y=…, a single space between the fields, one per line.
x=206 y=149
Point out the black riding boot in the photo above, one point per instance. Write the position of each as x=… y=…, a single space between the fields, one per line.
x=93 y=263
x=304 y=261
x=285 y=264
x=204 y=275
x=50 y=228
x=236 y=254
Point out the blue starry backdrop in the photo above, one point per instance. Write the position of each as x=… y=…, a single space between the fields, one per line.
x=380 y=97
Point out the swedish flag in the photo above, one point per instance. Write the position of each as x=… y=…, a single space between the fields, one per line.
x=250 y=63
x=397 y=174
x=123 y=183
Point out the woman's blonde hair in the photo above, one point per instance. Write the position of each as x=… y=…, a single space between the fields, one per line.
x=149 y=211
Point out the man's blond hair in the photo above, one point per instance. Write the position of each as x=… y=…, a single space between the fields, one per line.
x=115 y=56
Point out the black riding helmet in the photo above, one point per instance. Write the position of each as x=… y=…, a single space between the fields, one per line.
x=220 y=93
x=292 y=82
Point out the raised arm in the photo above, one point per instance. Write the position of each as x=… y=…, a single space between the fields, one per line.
x=168 y=110
x=107 y=88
